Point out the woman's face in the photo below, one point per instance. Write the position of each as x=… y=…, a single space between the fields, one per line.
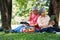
x=35 y=11
x=43 y=14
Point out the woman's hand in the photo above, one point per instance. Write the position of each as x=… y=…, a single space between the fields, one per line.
x=32 y=25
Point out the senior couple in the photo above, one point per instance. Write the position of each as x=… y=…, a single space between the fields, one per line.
x=39 y=21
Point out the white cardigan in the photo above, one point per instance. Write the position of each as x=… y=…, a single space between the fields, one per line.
x=43 y=21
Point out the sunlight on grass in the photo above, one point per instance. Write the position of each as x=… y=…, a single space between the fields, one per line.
x=29 y=36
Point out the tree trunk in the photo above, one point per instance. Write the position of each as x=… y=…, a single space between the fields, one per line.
x=54 y=10
x=6 y=10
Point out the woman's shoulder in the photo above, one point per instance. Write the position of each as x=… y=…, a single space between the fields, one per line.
x=39 y=16
x=47 y=15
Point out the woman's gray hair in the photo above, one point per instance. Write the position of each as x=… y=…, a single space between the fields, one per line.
x=35 y=8
x=42 y=9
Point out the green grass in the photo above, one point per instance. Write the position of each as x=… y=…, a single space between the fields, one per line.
x=29 y=36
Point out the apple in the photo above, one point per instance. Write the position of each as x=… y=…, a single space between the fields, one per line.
x=25 y=30
x=31 y=29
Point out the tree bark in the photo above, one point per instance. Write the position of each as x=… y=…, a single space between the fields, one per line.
x=6 y=12
x=54 y=10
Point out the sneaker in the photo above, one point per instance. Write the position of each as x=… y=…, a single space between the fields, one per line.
x=57 y=32
x=54 y=31
x=7 y=31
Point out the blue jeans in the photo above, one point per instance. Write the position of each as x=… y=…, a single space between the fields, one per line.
x=55 y=29
x=49 y=29
x=44 y=30
x=37 y=29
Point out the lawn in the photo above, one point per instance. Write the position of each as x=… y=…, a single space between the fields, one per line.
x=29 y=36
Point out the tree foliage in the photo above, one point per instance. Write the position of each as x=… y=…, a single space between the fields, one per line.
x=23 y=7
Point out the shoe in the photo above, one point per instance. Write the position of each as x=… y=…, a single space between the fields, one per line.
x=7 y=31
x=57 y=32
x=54 y=32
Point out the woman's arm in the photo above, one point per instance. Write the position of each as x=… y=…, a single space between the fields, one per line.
x=39 y=22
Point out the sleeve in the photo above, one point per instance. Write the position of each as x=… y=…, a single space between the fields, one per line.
x=36 y=23
x=46 y=21
x=39 y=22
x=48 y=18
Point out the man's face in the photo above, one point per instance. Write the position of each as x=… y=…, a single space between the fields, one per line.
x=35 y=11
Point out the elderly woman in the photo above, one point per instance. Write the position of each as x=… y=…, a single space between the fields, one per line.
x=33 y=17
x=45 y=23
x=43 y=19
x=31 y=22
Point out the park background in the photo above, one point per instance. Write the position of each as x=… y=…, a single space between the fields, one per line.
x=21 y=10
